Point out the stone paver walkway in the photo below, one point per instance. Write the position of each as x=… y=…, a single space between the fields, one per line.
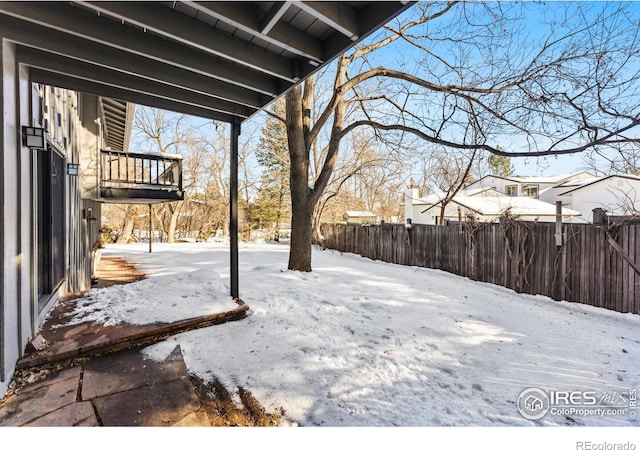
x=120 y=389
x=91 y=375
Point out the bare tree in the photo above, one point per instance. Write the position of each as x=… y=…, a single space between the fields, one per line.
x=622 y=160
x=204 y=146
x=627 y=200
x=365 y=177
x=481 y=81
x=164 y=132
x=128 y=214
x=450 y=173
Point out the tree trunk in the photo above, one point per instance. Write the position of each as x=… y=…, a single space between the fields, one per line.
x=302 y=198
x=174 y=211
x=301 y=230
x=127 y=228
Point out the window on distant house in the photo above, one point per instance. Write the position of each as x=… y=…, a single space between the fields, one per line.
x=530 y=191
x=512 y=190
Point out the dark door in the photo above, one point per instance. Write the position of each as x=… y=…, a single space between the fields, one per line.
x=51 y=225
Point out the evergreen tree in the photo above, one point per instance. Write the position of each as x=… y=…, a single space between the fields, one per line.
x=273 y=202
x=501 y=165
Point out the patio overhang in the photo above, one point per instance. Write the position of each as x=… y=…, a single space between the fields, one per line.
x=218 y=60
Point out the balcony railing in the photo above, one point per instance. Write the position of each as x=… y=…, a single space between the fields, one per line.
x=143 y=176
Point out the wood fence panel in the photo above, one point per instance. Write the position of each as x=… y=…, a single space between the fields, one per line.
x=519 y=256
x=574 y=269
x=633 y=243
x=613 y=263
x=619 y=278
x=481 y=267
x=583 y=268
x=492 y=254
x=545 y=278
x=599 y=270
x=539 y=260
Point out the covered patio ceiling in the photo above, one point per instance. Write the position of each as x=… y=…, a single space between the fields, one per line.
x=219 y=60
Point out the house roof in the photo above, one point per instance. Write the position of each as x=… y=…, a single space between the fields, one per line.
x=118 y=118
x=534 y=179
x=548 y=179
x=599 y=180
x=577 y=182
x=518 y=206
x=219 y=60
x=435 y=198
x=483 y=192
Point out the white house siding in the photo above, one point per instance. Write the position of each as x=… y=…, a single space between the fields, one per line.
x=413 y=207
x=610 y=194
x=498 y=183
x=23 y=104
x=554 y=193
x=428 y=217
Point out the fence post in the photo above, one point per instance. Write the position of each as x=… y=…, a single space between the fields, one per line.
x=559 y=223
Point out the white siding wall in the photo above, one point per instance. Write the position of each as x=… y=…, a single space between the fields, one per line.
x=499 y=184
x=427 y=218
x=614 y=195
x=413 y=208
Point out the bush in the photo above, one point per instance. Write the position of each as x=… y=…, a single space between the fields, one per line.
x=108 y=235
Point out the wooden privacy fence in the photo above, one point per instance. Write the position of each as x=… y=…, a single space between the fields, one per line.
x=596 y=265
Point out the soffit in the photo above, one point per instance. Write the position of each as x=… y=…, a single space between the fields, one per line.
x=220 y=60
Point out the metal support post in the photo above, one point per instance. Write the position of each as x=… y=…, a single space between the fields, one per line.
x=150 y=229
x=233 y=208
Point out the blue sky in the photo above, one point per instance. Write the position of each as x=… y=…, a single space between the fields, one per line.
x=548 y=166
x=540 y=19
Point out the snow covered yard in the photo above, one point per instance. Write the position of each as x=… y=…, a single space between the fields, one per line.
x=364 y=343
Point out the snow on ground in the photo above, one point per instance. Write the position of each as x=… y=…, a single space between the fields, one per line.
x=364 y=343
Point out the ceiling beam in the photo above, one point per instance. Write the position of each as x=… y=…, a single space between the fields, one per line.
x=338 y=15
x=246 y=17
x=84 y=24
x=81 y=70
x=99 y=89
x=32 y=35
x=272 y=17
x=186 y=55
x=194 y=33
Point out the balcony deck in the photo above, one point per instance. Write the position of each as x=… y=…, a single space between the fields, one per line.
x=140 y=177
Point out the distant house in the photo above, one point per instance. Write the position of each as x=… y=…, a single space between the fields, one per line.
x=360 y=217
x=617 y=195
x=481 y=204
x=532 y=186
